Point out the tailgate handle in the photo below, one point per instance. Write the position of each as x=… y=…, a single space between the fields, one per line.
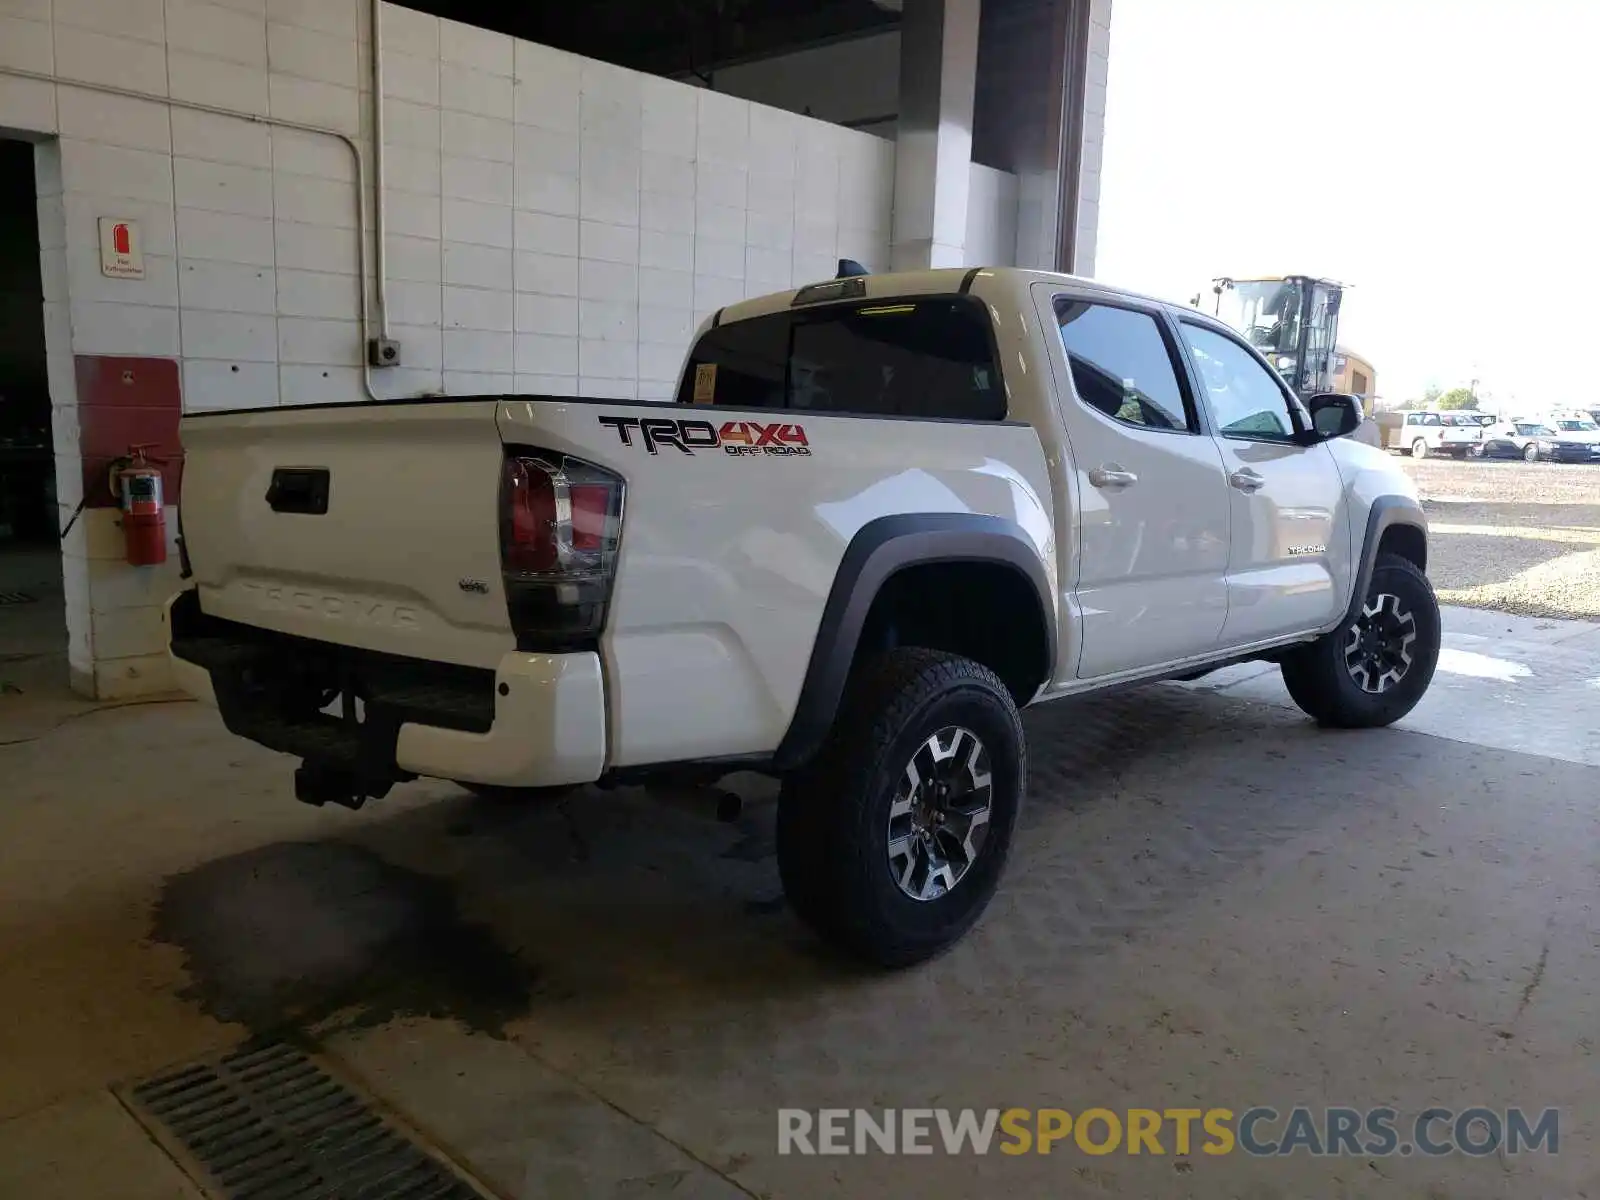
x=299 y=490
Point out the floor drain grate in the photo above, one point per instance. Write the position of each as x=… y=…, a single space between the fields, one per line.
x=16 y=598
x=266 y=1121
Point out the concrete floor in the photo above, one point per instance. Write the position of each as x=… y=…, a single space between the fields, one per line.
x=1213 y=904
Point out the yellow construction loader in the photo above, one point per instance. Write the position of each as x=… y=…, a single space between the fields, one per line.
x=1293 y=320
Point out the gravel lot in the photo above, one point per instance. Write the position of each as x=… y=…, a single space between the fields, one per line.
x=1518 y=537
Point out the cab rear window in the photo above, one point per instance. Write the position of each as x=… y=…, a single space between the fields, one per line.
x=928 y=358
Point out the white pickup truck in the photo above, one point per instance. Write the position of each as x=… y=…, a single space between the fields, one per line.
x=1458 y=434
x=884 y=514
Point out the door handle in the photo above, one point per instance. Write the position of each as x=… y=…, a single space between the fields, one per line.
x=1112 y=476
x=1246 y=480
x=299 y=490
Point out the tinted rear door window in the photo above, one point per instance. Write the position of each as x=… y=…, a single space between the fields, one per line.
x=1122 y=366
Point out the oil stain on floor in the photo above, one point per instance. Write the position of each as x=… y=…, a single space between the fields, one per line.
x=305 y=934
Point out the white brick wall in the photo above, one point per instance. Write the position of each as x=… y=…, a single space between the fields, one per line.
x=610 y=209
x=556 y=224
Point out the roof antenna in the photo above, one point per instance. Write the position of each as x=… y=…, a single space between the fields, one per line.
x=849 y=268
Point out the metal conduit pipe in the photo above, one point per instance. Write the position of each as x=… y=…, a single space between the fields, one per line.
x=380 y=207
x=350 y=143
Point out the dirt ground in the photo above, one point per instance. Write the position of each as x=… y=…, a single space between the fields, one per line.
x=1514 y=536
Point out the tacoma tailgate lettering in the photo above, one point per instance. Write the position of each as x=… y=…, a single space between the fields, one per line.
x=338 y=608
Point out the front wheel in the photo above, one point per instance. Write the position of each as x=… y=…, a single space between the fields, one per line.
x=892 y=841
x=1419 y=449
x=1530 y=452
x=1373 y=669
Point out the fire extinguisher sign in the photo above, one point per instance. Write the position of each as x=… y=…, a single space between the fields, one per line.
x=120 y=254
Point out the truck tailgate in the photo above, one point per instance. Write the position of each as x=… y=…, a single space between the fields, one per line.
x=367 y=525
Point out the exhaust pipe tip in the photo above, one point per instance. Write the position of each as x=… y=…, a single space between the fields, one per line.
x=729 y=806
x=700 y=801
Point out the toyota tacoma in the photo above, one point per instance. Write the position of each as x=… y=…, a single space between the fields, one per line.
x=884 y=514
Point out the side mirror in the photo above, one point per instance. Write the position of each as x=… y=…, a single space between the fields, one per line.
x=1333 y=415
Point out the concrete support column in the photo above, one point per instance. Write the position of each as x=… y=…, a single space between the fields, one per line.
x=1040 y=114
x=1097 y=70
x=933 y=156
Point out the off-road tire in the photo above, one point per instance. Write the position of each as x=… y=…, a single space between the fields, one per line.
x=1322 y=684
x=833 y=813
x=1419 y=449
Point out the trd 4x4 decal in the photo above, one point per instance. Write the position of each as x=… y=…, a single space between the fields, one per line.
x=739 y=438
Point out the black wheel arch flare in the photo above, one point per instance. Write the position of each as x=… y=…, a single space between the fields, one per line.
x=1386 y=511
x=879 y=549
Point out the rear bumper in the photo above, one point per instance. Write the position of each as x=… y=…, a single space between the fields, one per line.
x=536 y=720
x=549 y=728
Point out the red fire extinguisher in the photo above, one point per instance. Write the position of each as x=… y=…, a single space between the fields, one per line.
x=137 y=485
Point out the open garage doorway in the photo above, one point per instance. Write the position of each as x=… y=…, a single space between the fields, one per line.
x=33 y=632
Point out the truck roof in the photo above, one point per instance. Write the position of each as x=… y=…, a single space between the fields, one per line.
x=935 y=282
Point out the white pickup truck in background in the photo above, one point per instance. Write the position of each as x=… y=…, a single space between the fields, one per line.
x=885 y=513
x=1457 y=434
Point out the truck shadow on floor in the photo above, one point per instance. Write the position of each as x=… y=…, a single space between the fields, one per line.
x=608 y=911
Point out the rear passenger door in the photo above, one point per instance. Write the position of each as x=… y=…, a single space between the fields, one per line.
x=1152 y=499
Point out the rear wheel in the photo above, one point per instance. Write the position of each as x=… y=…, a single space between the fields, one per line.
x=892 y=841
x=1530 y=452
x=1372 y=670
x=1477 y=450
x=1419 y=449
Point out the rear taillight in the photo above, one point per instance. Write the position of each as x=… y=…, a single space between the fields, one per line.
x=560 y=524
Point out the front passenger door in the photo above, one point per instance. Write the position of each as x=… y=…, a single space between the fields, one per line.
x=1289 y=560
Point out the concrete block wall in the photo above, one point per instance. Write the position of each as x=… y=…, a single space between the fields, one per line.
x=560 y=224
x=555 y=224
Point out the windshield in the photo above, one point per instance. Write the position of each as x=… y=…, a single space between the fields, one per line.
x=1267 y=312
x=1531 y=430
x=1577 y=426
